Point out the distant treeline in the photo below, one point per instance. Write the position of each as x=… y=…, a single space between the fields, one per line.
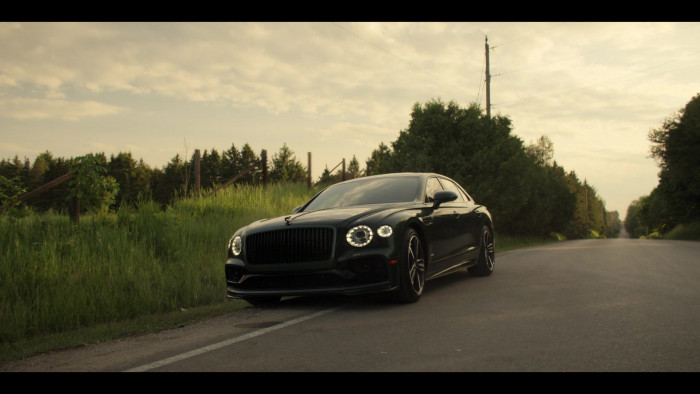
x=137 y=181
x=675 y=201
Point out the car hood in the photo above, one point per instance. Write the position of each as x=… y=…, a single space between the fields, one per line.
x=336 y=217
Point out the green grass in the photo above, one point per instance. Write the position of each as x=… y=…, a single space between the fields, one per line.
x=509 y=242
x=688 y=232
x=58 y=277
x=130 y=272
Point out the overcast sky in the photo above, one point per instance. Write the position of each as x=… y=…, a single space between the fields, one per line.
x=340 y=89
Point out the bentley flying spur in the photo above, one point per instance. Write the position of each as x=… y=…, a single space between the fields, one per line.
x=378 y=234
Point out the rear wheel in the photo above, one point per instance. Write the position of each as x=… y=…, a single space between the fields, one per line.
x=487 y=254
x=411 y=268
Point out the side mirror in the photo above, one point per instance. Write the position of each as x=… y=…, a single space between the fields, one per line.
x=443 y=197
x=295 y=210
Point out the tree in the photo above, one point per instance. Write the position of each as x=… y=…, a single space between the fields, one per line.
x=168 y=183
x=38 y=169
x=211 y=164
x=327 y=178
x=675 y=146
x=230 y=163
x=90 y=185
x=10 y=191
x=54 y=198
x=249 y=159
x=353 y=170
x=133 y=178
x=551 y=205
x=14 y=169
x=378 y=161
x=614 y=224
x=477 y=151
x=541 y=151
x=286 y=168
x=633 y=224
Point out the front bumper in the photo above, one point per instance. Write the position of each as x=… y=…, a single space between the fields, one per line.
x=359 y=274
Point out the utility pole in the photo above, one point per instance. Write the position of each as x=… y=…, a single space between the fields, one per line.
x=488 y=79
x=585 y=185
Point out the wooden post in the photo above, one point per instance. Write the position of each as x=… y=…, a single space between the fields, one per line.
x=197 y=175
x=309 y=171
x=263 y=159
x=343 y=169
x=74 y=210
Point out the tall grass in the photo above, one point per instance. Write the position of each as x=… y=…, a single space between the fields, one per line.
x=688 y=232
x=57 y=276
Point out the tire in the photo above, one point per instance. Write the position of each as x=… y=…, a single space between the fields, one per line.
x=411 y=268
x=264 y=302
x=487 y=254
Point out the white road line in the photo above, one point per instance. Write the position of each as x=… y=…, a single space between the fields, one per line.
x=227 y=342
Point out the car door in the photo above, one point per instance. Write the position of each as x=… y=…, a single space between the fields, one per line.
x=464 y=237
x=440 y=227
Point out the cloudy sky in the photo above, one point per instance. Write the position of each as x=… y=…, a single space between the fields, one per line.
x=340 y=89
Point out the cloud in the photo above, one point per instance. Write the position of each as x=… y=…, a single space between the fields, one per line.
x=28 y=108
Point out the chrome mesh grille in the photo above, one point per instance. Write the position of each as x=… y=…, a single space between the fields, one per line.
x=293 y=245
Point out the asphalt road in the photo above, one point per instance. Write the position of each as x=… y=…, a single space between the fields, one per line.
x=586 y=305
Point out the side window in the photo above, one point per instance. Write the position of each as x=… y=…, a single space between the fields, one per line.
x=431 y=187
x=451 y=186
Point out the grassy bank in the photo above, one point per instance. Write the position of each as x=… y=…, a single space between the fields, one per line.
x=57 y=277
x=129 y=272
x=686 y=232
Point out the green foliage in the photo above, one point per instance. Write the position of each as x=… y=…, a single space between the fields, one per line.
x=614 y=224
x=541 y=151
x=132 y=177
x=477 y=151
x=327 y=178
x=10 y=191
x=95 y=190
x=689 y=232
x=286 y=168
x=526 y=191
x=676 y=199
x=378 y=162
x=353 y=170
x=675 y=146
x=551 y=205
x=647 y=215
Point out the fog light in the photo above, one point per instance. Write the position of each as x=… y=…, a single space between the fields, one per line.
x=384 y=231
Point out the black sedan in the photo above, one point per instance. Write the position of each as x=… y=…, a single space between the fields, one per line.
x=384 y=233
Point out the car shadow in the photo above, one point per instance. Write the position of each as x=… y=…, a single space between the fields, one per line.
x=382 y=300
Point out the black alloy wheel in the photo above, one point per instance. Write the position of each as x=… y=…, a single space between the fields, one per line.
x=411 y=268
x=487 y=254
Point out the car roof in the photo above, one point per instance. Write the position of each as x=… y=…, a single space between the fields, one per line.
x=394 y=175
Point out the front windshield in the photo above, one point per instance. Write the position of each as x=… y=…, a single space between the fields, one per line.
x=367 y=191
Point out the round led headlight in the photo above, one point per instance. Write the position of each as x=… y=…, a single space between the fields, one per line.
x=236 y=245
x=384 y=231
x=359 y=236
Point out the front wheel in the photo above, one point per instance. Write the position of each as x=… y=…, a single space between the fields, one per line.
x=411 y=268
x=487 y=254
